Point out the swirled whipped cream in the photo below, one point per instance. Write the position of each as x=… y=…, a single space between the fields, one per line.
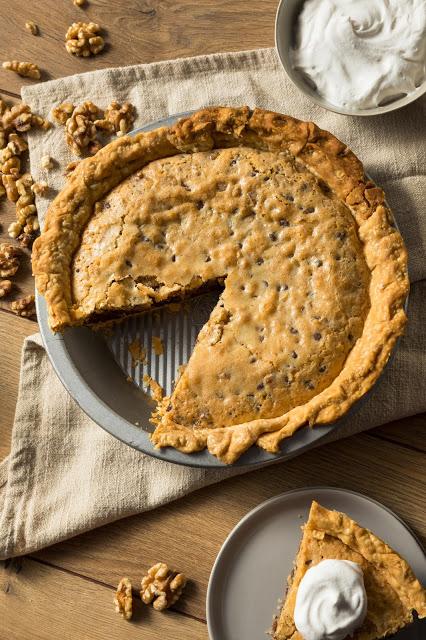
x=361 y=53
x=331 y=601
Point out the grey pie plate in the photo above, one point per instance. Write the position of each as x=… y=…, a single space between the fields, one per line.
x=250 y=572
x=100 y=374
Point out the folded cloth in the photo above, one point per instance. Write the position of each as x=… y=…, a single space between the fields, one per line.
x=65 y=475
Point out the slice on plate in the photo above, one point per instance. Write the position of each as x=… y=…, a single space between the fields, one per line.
x=277 y=212
x=393 y=591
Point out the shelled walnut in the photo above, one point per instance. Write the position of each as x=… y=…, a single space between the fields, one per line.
x=24 y=307
x=40 y=188
x=62 y=112
x=123 y=599
x=23 y=69
x=83 y=39
x=9 y=261
x=80 y=129
x=120 y=116
x=162 y=587
x=5 y=288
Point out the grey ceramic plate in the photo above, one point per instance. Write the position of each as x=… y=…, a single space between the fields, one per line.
x=250 y=571
x=100 y=375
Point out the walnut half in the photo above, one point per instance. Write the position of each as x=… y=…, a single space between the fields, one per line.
x=24 y=69
x=83 y=39
x=9 y=261
x=123 y=599
x=162 y=587
x=24 y=307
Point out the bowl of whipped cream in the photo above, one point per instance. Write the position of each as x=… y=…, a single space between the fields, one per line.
x=354 y=57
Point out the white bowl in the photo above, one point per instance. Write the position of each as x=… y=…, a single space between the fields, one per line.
x=287 y=14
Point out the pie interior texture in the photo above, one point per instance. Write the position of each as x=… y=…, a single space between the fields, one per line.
x=277 y=212
x=393 y=591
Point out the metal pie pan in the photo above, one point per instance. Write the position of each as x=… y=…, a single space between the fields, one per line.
x=250 y=571
x=98 y=373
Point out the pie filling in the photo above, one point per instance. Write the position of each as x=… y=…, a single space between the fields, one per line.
x=295 y=280
x=274 y=210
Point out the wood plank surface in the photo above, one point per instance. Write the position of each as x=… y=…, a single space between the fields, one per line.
x=55 y=604
x=191 y=530
x=67 y=590
x=136 y=32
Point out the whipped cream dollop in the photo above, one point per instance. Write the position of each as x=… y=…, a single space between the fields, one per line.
x=331 y=601
x=361 y=53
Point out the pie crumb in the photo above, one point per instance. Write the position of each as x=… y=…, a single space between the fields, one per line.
x=138 y=352
x=157 y=345
x=156 y=388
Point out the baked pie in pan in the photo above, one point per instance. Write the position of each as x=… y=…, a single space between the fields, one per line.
x=277 y=212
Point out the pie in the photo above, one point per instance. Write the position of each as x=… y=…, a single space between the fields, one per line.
x=393 y=591
x=276 y=212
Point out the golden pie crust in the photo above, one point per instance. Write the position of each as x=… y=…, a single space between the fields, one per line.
x=282 y=215
x=393 y=591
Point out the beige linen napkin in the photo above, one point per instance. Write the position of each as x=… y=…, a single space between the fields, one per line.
x=64 y=474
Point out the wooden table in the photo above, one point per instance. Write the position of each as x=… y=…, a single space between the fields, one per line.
x=66 y=591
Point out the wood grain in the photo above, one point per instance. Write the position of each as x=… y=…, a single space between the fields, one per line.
x=189 y=533
x=140 y=31
x=51 y=604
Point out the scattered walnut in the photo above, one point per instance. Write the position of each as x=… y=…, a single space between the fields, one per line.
x=80 y=129
x=5 y=288
x=9 y=183
x=40 y=188
x=62 y=112
x=26 y=239
x=123 y=598
x=11 y=166
x=14 y=229
x=20 y=118
x=162 y=587
x=24 y=307
x=24 y=69
x=31 y=27
x=16 y=144
x=120 y=116
x=9 y=262
x=82 y=39
x=79 y=3
x=46 y=162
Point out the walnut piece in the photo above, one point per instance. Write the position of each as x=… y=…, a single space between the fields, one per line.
x=24 y=69
x=9 y=261
x=40 y=188
x=83 y=39
x=79 y=3
x=5 y=288
x=31 y=27
x=123 y=599
x=62 y=112
x=162 y=587
x=24 y=307
x=16 y=144
x=46 y=162
x=120 y=116
x=9 y=183
x=20 y=118
x=80 y=129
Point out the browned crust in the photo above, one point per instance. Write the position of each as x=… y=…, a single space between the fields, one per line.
x=399 y=575
x=325 y=156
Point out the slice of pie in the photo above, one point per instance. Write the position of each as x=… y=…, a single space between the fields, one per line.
x=393 y=591
x=280 y=215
